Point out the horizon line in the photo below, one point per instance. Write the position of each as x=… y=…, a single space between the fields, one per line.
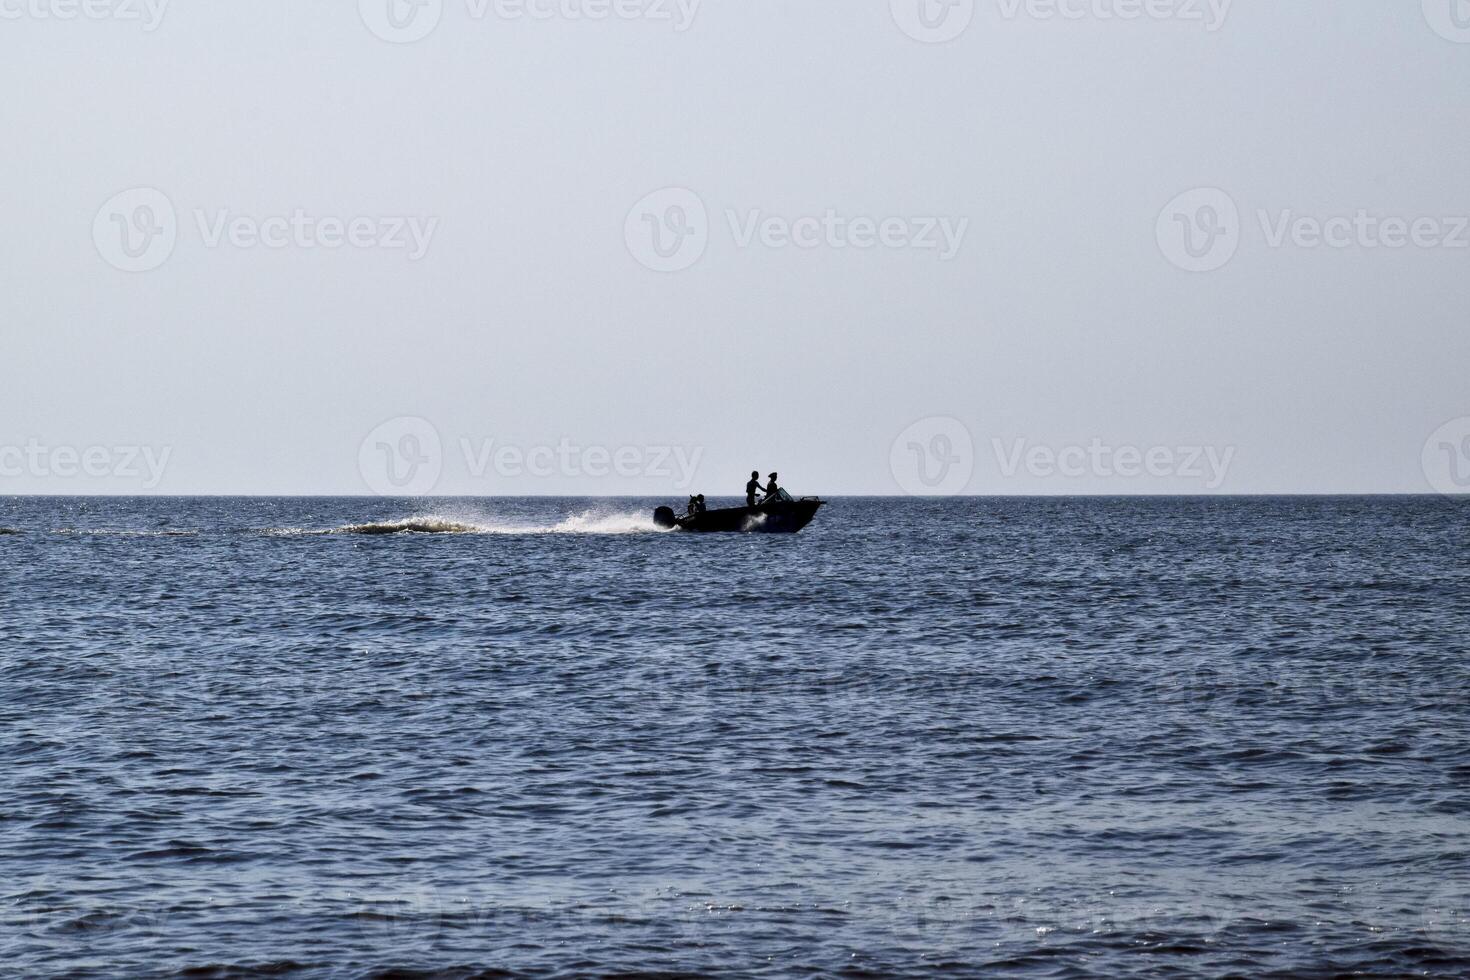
x=1041 y=495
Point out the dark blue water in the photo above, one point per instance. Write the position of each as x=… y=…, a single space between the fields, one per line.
x=1049 y=738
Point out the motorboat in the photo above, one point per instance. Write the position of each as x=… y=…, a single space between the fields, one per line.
x=781 y=514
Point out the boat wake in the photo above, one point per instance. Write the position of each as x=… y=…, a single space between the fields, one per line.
x=124 y=533
x=588 y=522
x=407 y=525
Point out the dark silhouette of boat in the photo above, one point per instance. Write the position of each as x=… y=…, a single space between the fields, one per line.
x=780 y=516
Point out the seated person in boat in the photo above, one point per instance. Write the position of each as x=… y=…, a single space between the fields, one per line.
x=752 y=488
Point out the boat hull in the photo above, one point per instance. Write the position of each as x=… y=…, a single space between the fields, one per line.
x=777 y=517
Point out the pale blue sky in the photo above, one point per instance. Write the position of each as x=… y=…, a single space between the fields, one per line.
x=524 y=145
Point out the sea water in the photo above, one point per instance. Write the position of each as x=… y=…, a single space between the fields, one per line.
x=1044 y=737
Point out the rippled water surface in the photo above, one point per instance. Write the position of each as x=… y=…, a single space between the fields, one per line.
x=1050 y=738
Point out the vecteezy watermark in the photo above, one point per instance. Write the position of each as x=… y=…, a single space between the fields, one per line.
x=679 y=14
x=138 y=230
x=401 y=21
x=1446 y=458
x=36 y=460
x=938 y=21
x=403 y=457
x=1210 y=13
x=568 y=459
x=1221 y=689
x=1446 y=916
x=406 y=21
x=1201 y=230
x=301 y=230
x=1207 y=464
x=1450 y=19
x=932 y=21
x=934 y=457
x=669 y=231
x=835 y=231
x=149 y=13
x=1364 y=230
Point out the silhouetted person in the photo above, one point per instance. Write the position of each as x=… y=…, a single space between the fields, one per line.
x=771 y=489
x=699 y=505
x=693 y=507
x=752 y=488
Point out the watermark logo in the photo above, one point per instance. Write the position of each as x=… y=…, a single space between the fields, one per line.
x=1447 y=914
x=407 y=21
x=1210 y=13
x=1199 y=231
x=679 y=13
x=934 y=457
x=1446 y=458
x=1209 y=465
x=136 y=230
x=148 y=12
x=145 y=465
x=668 y=231
x=568 y=459
x=401 y=21
x=411 y=234
x=403 y=457
x=927 y=233
x=1450 y=19
x=933 y=21
x=1363 y=230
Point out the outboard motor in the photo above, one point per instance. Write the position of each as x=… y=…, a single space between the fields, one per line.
x=664 y=517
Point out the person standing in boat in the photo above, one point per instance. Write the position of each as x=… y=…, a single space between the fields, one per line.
x=752 y=488
x=772 y=491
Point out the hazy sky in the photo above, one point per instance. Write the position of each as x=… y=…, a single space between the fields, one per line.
x=642 y=246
